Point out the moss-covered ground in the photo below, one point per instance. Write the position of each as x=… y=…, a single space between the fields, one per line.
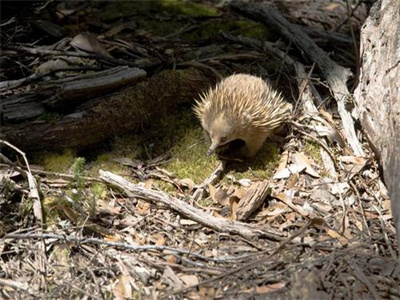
x=178 y=136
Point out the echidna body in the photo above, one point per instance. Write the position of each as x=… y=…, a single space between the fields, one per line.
x=241 y=107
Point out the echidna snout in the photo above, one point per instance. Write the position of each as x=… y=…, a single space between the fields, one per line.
x=220 y=132
x=242 y=107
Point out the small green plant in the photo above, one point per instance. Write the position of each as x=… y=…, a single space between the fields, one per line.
x=79 y=172
x=98 y=190
x=78 y=169
x=56 y=162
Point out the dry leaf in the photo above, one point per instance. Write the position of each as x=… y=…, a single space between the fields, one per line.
x=122 y=290
x=142 y=208
x=282 y=174
x=322 y=207
x=322 y=195
x=148 y=183
x=329 y=132
x=301 y=161
x=286 y=199
x=387 y=206
x=189 y=280
x=353 y=160
x=292 y=181
x=160 y=239
x=278 y=209
x=283 y=161
x=244 y=182
x=52 y=65
x=233 y=203
x=89 y=43
x=207 y=293
x=113 y=238
x=339 y=188
x=329 y=165
x=291 y=217
x=265 y=289
x=337 y=236
x=106 y=207
x=172 y=279
x=171 y=259
x=212 y=191
x=218 y=195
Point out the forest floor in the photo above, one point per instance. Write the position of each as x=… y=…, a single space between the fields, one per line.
x=146 y=214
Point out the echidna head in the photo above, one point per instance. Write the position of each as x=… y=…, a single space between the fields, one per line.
x=221 y=131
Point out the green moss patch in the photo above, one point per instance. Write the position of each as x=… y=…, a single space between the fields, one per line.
x=121 y=9
x=179 y=134
x=237 y=27
x=312 y=149
x=56 y=162
x=262 y=165
x=192 y=9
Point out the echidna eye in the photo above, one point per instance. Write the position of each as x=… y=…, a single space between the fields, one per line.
x=223 y=139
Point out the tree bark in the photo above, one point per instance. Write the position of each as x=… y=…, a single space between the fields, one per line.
x=378 y=93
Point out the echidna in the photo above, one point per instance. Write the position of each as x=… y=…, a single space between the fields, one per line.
x=243 y=107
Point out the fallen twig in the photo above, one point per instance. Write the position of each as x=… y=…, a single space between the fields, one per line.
x=37 y=210
x=221 y=225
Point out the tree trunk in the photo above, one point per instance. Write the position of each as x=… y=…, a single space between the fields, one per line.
x=378 y=92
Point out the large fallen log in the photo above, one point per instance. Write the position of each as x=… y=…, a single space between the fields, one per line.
x=378 y=93
x=66 y=93
x=111 y=115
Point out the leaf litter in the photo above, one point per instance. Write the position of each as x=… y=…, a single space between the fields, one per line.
x=317 y=226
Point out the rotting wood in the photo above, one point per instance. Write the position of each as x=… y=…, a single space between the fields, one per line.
x=335 y=74
x=188 y=211
x=252 y=199
x=111 y=115
x=66 y=93
x=378 y=93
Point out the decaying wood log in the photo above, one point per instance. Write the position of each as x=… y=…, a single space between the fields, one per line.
x=111 y=115
x=65 y=93
x=378 y=92
x=252 y=199
x=335 y=74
